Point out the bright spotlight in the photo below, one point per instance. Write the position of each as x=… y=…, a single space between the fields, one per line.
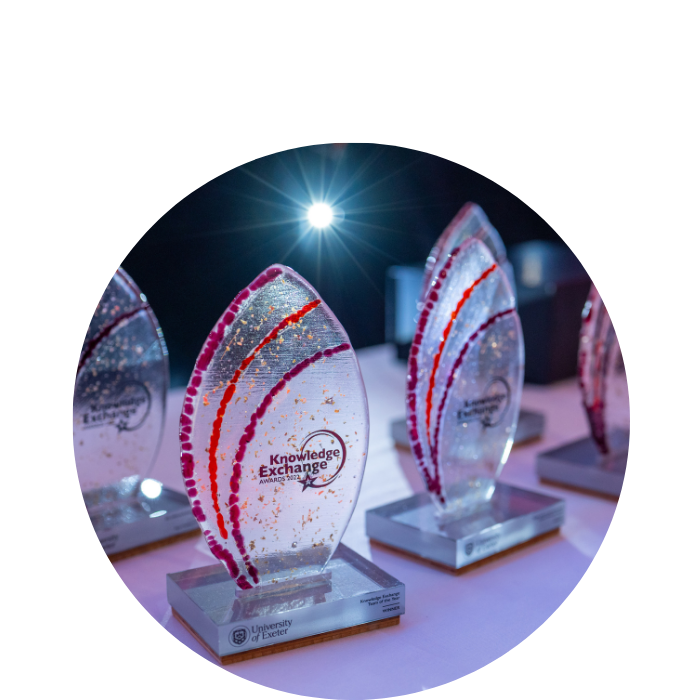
x=320 y=215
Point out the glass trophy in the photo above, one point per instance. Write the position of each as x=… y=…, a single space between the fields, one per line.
x=472 y=222
x=465 y=378
x=118 y=416
x=597 y=462
x=274 y=433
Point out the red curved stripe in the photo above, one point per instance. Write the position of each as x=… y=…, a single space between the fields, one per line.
x=228 y=395
x=247 y=437
x=412 y=377
x=436 y=359
x=441 y=244
x=448 y=385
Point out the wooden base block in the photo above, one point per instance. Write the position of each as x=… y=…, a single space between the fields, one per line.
x=528 y=441
x=469 y=567
x=286 y=646
x=578 y=489
x=153 y=545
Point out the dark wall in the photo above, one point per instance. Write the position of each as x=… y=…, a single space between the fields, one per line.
x=396 y=202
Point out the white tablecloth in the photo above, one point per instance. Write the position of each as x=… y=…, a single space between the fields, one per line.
x=453 y=624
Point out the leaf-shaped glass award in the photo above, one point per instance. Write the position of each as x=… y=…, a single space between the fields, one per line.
x=120 y=388
x=118 y=417
x=463 y=389
x=274 y=433
x=602 y=377
x=465 y=378
x=470 y=222
x=597 y=462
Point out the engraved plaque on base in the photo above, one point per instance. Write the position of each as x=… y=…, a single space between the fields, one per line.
x=274 y=433
x=511 y=517
x=350 y=595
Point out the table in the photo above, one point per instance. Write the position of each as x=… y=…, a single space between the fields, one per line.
x=453 y=624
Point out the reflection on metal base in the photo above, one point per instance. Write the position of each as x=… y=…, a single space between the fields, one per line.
x=512 y=516
x=135 y=513
x=351 y=593
x=530 y=427
x=579 y=464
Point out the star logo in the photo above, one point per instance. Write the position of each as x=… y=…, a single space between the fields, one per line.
x=307 y=481
x=122 y=425
x=325 y=479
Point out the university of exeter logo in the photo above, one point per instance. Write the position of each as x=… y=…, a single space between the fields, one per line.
x=312 y=468
x=239 y=636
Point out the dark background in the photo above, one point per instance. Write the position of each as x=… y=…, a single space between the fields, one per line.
x=396 y=202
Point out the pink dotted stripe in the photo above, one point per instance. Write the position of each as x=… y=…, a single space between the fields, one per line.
x=443 y=341
x=450 y=380
x=217 y=335
x=439 y=246
x=247 y=437
x=107 y=330
x=289 y=320
x=186 y=424
x=412 y=378
x=224 y=556
x=600 y=349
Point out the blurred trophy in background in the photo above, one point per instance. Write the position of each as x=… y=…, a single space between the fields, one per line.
x=118 y=417
x=596 y=463
x=465 y=378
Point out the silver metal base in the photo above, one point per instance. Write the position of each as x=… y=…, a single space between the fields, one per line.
x=512 y=517
x=530 y=427
x=136 y=512
x=579 y=464
x=352 y=591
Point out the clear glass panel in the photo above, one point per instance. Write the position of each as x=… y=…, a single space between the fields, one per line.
x=120 y=390
x=471 y=221
x=274 y=432
x=602 y=377
x=465 y=378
